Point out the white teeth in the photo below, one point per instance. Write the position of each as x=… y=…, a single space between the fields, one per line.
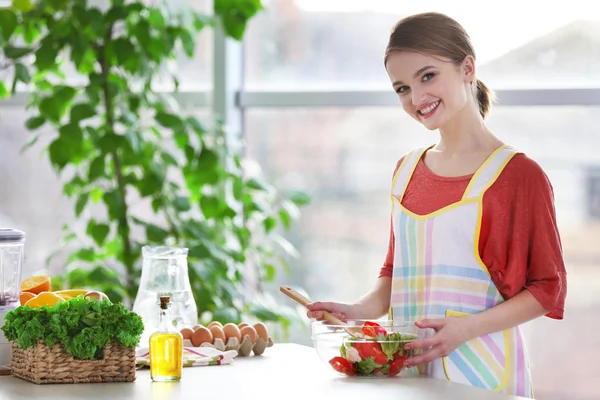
x=429 y=109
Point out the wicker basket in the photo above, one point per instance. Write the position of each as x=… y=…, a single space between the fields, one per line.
x=42 y=365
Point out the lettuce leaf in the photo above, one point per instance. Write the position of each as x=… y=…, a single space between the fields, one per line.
x=366 y=366
x=82 y=326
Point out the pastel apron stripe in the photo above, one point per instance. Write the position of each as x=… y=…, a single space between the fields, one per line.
x=494 y=349
x=520 y=367
x=486 y=354
x=429 y=259
x=478 y=364
x=405 y=272
x=422 y=244
x=465 y=369
x=413 y=259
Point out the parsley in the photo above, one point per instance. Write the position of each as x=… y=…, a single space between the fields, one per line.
x=84 y=327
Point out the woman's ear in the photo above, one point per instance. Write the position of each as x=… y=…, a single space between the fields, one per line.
x=468 y=69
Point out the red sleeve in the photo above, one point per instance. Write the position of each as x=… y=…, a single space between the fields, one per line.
x=520 y=241
x=388 y=264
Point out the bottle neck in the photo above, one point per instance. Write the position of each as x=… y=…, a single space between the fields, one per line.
x=164 y=320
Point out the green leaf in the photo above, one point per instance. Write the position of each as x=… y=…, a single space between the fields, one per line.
x=156 y=18
x=30 y=143
x=155 y=233
x=96 y=168
x=15 y=53
x=8 y=23
x=269 y=223
x=115 y=203
x=23 y=5
x=96 y=195
x=210 y=206
x=21 y=73
x=45 y=56
x=169 y=120
x=50 y=109
x=98 y=232
x=181 y=203
x=81 y=203
x=103 y=276
x=226 y=315
x=366 y=366
x=298 y=198
x=269 y=272
x=123 y=49
x=168 y=158
x=4 y=93
x=34 y=123
x=187 y=41
x=82 y=111
x=285 y=218
x=263 y=313
x=59 y=153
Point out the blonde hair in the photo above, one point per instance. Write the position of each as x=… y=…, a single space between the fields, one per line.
x=436 y=34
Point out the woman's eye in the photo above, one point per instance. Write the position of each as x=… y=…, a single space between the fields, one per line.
x=402 y=89
x=427 y=77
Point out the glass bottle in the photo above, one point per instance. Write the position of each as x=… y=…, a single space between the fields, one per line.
x=166 y=347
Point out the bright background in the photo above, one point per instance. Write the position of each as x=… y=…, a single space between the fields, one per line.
x=313 y=102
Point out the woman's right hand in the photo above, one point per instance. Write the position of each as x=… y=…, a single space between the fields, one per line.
x=342 y=311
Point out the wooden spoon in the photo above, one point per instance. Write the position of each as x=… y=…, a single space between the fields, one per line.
x=355 y=331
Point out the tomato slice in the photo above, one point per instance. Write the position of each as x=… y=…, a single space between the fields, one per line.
x=370 y=348
x=340 y=364
x=397 y=365
x=373 y=329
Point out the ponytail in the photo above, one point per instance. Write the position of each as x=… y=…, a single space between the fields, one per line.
x=485 y=97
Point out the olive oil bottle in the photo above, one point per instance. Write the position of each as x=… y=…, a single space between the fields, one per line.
x=166 y=348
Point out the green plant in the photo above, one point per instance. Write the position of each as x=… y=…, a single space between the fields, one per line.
x=121 y=143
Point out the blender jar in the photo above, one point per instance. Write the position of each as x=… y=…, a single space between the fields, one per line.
x=12 y=243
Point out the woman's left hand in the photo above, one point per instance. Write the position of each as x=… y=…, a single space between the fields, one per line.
x=450 y=333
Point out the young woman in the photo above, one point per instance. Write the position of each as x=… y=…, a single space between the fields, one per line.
x=474 y=247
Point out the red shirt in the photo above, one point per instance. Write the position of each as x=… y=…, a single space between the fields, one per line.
x=519 y=241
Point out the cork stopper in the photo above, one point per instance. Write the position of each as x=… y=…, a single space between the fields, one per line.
x=164 y=302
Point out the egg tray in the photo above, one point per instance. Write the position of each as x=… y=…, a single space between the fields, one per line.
x=244 y=349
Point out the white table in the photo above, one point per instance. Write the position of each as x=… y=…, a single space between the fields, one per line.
x=284 y=371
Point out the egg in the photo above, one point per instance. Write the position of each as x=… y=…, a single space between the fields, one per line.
x=217 y=333
x=242 y=324
x=196 y=327
x=250 y=331
x=202 y=335
x=187 y=333
x=261 y=331
x=232 y=330
x=214 y=323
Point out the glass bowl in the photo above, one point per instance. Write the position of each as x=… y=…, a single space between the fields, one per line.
x=379 y=353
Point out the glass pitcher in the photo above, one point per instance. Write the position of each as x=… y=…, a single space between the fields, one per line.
x=165 y=273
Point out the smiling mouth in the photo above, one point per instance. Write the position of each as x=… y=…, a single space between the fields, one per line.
x=428 y=110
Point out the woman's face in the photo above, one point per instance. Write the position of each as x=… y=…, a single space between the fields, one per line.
x=432 y=90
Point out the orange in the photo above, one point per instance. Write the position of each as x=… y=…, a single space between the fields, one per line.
x=25 y=296
x=68 y=294
x=36 y=284
x=44 y=299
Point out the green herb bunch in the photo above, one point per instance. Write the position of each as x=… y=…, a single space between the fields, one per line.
x=83 y=327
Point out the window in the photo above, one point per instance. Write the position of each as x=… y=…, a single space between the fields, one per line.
x=339 y=44
x=344 y=158
x=593 y=183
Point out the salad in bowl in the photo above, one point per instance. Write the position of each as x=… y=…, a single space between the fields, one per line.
x=365 y=348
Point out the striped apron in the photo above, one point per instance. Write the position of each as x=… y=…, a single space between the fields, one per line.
x=438 y=273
